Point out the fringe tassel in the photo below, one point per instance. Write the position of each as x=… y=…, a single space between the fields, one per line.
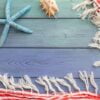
x=47 y=80
x=84 y=77
x=97 y=64
x=50 y=84
x=72 y=81
x=41 y=82
x=64 y=83
x=52 y=87
x=91 y=9
x=93 y=83
x=56 y=84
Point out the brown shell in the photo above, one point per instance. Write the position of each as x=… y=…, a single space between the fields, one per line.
x=49 y=6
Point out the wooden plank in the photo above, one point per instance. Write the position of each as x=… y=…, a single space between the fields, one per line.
x=65 y=7
x=51 y=62
x=52 y=33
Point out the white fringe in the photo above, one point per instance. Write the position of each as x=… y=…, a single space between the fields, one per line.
x=41 y=82
x=64 y=83
x=56 y=84
x=6 y=82
x=24 y=84
x=96 y=41
x=90 y=10
x=16 y=85
x=97 y=64
x=96 y=20
x=84 y=77
x=3 y=82
x=87 y=11
x=50 y=84
x=51 y=89
x=82 y=5
x=29 y=82
x=93 y=83
x=72 y=81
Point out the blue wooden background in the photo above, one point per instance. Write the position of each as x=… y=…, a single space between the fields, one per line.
x=56 y=47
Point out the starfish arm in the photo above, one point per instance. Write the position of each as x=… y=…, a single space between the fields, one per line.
x=19 y=27
x=21 y=12
x=2 y=21
x=4 y=34
x=8 y=8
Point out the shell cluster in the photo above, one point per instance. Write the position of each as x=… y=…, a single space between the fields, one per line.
x=49 y=6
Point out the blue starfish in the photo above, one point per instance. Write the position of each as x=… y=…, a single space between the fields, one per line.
x=9 y=21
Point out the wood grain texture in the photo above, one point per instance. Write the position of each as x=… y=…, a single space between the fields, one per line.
x=52 y=33
x=52 y=62
x=65 y=31
x=65 y=7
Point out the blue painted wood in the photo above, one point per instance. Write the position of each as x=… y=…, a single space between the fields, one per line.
x=52 y=33
x=52 y=62
x=49 y=33
x=65 y=7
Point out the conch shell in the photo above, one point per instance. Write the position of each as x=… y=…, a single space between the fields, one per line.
x=49 y=6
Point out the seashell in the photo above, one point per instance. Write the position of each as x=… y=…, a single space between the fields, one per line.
x=49 y=6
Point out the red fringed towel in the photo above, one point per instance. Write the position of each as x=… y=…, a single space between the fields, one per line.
x=25 y=89
x=18 y=95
